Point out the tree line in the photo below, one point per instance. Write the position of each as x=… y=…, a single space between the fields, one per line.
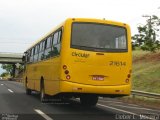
x=148 y=38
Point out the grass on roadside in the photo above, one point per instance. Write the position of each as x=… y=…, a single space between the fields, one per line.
x=146 y=71
x=142 y=101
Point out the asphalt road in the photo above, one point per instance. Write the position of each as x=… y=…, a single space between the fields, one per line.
x=16 y=105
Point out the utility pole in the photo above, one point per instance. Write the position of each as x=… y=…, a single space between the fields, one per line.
x=149 y=25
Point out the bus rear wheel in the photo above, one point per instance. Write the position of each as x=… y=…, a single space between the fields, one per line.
x=28 y=91
x=89 y=100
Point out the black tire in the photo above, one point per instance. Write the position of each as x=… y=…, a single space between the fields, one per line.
x=28 y=91
x=88 y=100
x=42 y=93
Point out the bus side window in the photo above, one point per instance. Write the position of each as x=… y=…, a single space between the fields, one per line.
x=47 y=52
x=59 y=36
x=30 y=60
x=55 y=38
x=41 y=51
x=36 y=53
x=27 y=53
x=28 y=56
x=56 y=43
x=32 y=53
x=59 y=41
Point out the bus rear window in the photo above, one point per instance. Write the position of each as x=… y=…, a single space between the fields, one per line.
x=98 y=37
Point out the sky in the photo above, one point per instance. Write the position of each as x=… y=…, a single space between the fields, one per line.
x=22 y=22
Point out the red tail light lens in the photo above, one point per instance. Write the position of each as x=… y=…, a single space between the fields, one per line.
x=127 y=80
x=66 y=72
x=68 y=77
x=128 y=75
x=64 y=67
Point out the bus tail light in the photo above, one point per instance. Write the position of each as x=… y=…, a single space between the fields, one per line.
x=64 y=67
x=127 y=80
x=129 y=75
x=68 y=77
x=66 y=72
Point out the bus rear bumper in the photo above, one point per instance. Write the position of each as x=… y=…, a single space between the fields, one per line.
x=70 y=87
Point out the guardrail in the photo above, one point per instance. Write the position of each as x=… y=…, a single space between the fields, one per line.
x=145 y=94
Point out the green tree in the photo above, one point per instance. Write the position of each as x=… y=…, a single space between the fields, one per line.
x=8 y=68
x=4 y=74
x=146 y=38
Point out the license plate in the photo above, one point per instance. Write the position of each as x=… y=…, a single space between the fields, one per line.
x=97 y=78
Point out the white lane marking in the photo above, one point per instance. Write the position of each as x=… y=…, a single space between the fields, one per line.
x=136 y=107
x=111 y=101
x=117 y=102
x=10 y=90
x=43 y=114
x=117 y=109
x=122 y=110
x=2 y=84
x=132 y=105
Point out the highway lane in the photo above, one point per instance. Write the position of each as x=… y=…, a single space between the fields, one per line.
x=14 y=101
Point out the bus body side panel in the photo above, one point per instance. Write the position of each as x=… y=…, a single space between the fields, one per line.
x=52 y=83
x=29 y=76
x=49 y=71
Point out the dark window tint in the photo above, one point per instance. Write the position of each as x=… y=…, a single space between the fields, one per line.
x=46 y=48
x=41 y=51
x=47 y=52
x=37 y=49
x=35 y=57
x=48 y=42
x=41 y=47
x=55 y=38
x=56 y=43
x=98 y=37
x=59 y=36
x=28 y=56
x=41 y=56
x=32 y=53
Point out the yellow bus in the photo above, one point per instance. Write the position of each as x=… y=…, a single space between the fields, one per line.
x=81 y=58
